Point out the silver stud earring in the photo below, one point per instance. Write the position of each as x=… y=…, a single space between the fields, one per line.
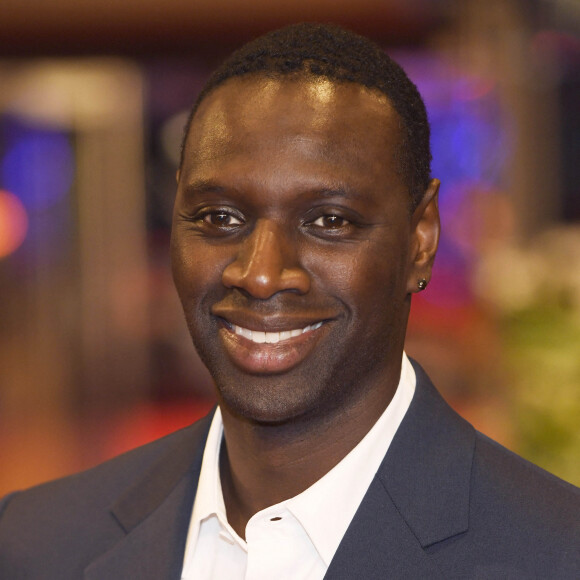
x=422 y=284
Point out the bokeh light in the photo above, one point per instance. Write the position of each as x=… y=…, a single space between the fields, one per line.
x=13 y=223
x=38 y=167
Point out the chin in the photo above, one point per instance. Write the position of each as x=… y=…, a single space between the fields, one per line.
x=267 y=400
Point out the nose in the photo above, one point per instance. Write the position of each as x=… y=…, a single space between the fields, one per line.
x=266 y=264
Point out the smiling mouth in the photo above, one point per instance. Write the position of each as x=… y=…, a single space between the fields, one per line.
x=261 y=337
x=261 y=352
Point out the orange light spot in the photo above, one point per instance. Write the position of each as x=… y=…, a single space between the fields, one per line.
x=13 y=223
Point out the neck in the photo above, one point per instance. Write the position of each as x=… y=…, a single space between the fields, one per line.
x=264 y=464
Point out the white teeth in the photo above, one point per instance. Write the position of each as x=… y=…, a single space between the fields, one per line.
x=244 y=332
x=260 y=337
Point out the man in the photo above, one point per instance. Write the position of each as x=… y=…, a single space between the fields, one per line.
x=305 y=219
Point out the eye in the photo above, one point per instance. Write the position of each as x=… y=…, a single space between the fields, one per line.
x=331 y=222
x=220 y=218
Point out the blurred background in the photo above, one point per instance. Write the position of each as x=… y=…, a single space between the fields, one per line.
x=94 y=355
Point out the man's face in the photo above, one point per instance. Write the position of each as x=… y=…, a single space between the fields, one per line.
x=294 y=251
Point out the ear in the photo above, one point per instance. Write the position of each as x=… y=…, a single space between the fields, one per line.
x=177 y=175
x=425 y=228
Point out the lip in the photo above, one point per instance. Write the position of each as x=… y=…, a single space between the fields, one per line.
x=255 y=355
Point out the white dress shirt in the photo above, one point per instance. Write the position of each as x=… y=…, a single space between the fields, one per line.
x=297 y=538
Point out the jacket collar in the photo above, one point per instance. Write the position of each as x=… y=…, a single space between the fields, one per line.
x=154 y=513
x=419 y=497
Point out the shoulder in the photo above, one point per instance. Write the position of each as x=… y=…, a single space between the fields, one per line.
x=519 y=491
x=522 y=519
x=102 y=483
x=512 y=513
x=78 y=507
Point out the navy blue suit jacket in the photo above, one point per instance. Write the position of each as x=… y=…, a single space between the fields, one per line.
x=447 y=502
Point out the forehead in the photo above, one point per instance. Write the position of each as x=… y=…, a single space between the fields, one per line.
x=332 y=119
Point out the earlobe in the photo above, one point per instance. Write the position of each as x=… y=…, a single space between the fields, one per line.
x=425 y=228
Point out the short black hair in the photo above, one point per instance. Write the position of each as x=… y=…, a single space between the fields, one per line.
x=327 y=50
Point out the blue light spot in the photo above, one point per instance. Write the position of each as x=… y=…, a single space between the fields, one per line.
x=38 y=167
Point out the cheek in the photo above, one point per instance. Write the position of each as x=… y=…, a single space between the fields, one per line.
x=181 y=267
x=195 y=269
x=367 y=271
x=371 y=283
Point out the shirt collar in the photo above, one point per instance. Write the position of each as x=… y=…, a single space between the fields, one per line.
x=209 y=498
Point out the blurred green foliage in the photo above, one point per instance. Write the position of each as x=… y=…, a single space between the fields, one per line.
x=542 y=353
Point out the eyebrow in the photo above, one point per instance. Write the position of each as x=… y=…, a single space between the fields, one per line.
x=340 y=191
x=201 y=186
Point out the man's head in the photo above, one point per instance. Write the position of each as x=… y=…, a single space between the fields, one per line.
x=329 y=52
x=294 y=250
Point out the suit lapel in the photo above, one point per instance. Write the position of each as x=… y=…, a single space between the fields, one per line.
x=379 y=544
x=427 y=471
x=419 y=497
x=155 y=514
